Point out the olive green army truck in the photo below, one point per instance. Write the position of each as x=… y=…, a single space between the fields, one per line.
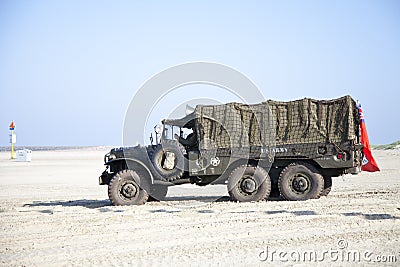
x=289 y=149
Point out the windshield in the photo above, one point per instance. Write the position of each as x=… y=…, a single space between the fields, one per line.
x=170 y=131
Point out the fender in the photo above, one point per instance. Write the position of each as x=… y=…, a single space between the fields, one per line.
x=127 y=160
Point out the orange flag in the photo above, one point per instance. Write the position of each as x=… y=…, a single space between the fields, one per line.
x=368 y=161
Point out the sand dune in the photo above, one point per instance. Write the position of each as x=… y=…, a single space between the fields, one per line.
x=53 y=213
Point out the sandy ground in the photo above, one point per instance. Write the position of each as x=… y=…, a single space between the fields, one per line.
x=53 y=213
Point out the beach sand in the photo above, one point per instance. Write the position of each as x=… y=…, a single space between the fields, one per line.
x=54 y=213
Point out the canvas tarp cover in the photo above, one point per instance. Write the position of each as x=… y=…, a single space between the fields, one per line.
x=315 y=121
x=234 y=125
x=273 y=123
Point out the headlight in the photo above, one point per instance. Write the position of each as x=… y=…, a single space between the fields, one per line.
x=108 y=157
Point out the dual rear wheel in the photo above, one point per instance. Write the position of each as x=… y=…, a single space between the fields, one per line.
x=249 y=183
x=298 y=181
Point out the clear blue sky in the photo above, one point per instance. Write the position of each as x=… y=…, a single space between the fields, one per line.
x=68 y=69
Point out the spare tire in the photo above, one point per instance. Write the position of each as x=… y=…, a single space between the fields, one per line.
x=168 y=159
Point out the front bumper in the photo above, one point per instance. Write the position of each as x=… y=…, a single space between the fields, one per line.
x=105 y=177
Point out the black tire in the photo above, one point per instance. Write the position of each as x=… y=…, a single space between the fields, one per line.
x=249 y=183
x=327 y=186
x=275 y=194
x=300 y=181
x=124 y=189
x=159 y=159
x=158 y=192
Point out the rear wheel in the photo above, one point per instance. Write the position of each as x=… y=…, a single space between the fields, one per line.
x=249 y=183
x=124 y=189
x=300 y=181
x=275 y=194
x=327 y=185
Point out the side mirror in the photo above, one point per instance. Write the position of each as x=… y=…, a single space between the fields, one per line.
x=158 y=129
x=151 y=138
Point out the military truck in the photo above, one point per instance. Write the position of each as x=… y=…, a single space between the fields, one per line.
x=289 y=149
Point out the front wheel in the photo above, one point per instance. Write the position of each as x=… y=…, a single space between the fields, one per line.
x=249 y=183
x=300 y=181
x=124 y=189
